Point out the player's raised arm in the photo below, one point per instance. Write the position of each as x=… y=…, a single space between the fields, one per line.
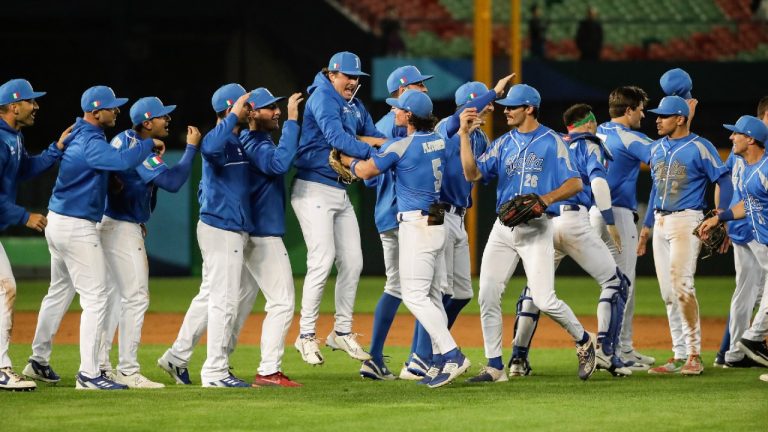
x=468 y=163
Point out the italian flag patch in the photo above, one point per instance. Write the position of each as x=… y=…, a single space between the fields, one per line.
x=153 y=162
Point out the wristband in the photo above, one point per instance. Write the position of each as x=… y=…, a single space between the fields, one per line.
x=352 y=167
x=726 y=215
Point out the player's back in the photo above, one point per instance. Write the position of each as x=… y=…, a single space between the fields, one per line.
x=629 y=148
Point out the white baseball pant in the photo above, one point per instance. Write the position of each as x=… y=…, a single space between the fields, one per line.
x=224 y=252
x=7 y=300
x=77 y=265
x=675 y=251
x=533 y=244
x=421 y=262
x=759 y=329
x=390 y=247
x=127 y=291
x=750 y=282
x=626 y=260
x=458 y=278
x=330 y=230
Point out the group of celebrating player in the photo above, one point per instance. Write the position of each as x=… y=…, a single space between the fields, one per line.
x=423 y=171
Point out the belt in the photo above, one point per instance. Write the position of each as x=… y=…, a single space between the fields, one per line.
x=432 y=219
x=461 y=211
x=569 y=207
x=667 y=212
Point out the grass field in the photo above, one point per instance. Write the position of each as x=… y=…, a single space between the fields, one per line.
x=335 y=398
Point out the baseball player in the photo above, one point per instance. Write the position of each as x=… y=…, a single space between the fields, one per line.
x=385 y=214
x=418 y=164
x=682 y=165
x=530 y=158
x=629 y=148
x=455 y=198
x=332 y=118
x=574 y=237
x=749 y=137
x=18 y=108
x=129 y=204
x=77 y=260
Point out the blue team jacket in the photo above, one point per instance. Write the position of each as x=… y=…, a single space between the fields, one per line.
x=269 y=163
x=330 y=121
x=15 y=165
x=81 y=187
x=223 y=192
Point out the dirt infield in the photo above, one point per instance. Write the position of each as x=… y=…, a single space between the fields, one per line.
x=161 y=328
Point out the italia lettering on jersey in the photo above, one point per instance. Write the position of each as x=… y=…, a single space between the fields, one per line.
x=533 y=162
x=681 y=170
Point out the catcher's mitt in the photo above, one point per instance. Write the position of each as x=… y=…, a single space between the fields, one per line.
x=345 y=175
x=714 y=238
x=521 y=209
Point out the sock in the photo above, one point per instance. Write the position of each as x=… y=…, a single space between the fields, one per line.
x=453 y=308
x=341 y=334
x=496 y=363
x=725 y=344
x=386 y=309
x=520 y=352
x=424 y=345
x=306 y=335
x=584 y=338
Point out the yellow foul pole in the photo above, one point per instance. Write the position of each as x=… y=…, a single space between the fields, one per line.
x=483 y=64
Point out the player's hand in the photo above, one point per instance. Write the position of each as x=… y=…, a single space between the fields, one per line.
x=502 y=85
x=60 y=144
x=615 y=236
x=692 y=103
x=725 y=246
x=159 y=148
x=346 y=160
x=467 y=120
x=239 y=109
x=193 y=136
x=642 y=240
x=36 y=222
x=293 y=106
x=706 y=226
x=372 y=141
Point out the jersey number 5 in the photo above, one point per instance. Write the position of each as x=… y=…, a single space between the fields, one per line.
x=437 y=173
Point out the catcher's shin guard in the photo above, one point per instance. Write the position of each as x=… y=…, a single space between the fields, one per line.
x=526 y=322
x=616 y=297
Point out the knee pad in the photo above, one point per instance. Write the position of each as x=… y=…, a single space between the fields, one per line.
x=616 y=296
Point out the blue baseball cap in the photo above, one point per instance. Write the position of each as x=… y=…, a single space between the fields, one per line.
x=676 y=82
x=521 y=94
x=226 y=96
x=672 y=105
x=148 y=108
x=403 y=76
x=262 y=97
x=17 y=90
x=414 y=101
x=469 y=91
x=346 y=63
x=751 y=127
x=100 y=97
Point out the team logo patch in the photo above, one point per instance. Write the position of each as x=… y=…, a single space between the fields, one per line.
x=403 y=80
x=229 y=102
x=117 y=142
x=147 y=115
x=96 y=104
x=153 y=162
x=15 y=95
x=471 y=96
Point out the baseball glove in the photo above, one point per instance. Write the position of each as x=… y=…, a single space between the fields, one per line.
x=521 y=209
x=345 y=175
x=713 y=239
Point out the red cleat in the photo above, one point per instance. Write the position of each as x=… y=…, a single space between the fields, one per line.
x=272 y=380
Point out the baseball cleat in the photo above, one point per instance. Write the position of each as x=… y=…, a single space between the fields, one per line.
x=406 y=374
x=489 y=374
x=10 y=380
x=719 y=360
x=82 y=382
x=764 y=377
x=178 y=373
x=417 y=366
x=430 y=375
x=586 y=355
x=634 y=356
x=451 y=370
x=611 y=363
x=693 y=366
x=136 y=381
x=347 y=343
x=744 y=363
x=229 y=382
x=757 y=351
x=309 y=349
x=277 y=379
x=38 y=372
x=376 y=371
x=519 y=367
x=672 y=366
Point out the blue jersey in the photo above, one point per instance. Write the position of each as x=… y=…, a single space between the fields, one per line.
x=224 y=190
x=681 y=170
x=385 y=213
x=753 y=187
x=267 y=178
x=418 y=163
x=456 y=190
x=81 y=186
x=132 y=201
x=534 y=162
x=15 y=165
x=629 y=148
x=739 y=230
x=588 y=157
x=331 y=121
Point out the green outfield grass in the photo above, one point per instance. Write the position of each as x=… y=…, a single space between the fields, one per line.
x=334 y=398
x=581 y=293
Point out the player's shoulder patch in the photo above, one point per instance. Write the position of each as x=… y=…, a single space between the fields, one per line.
x=152 y=162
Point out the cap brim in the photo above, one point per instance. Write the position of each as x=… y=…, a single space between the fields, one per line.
x=118 y=102
x=510 y=102
x=36 y=95
x=425 y=77
x=731 y=128
x=353 y=73
x=269 y=102
x=393 y=102
x=167 y=110
x=662 y=112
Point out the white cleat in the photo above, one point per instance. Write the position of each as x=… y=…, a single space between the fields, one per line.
x=10 y=380
x=309 y=350
x=347 y=343
x=135 y=381
x=636 y=357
